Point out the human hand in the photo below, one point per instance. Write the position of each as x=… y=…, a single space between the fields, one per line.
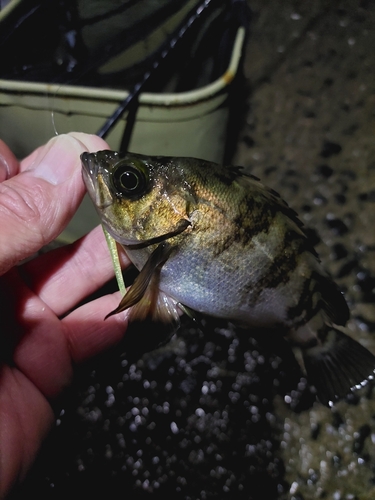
x=39 y=323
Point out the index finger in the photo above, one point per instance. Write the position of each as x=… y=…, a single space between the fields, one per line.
x=9 y=165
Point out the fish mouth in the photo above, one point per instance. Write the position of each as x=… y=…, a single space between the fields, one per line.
x=90 y=165
x=95 y=165
x=90 y=170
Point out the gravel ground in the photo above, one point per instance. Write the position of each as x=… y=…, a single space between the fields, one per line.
x=206 y=415
x=309 y=134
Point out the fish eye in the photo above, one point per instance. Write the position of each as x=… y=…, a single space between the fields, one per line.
x=128 y=180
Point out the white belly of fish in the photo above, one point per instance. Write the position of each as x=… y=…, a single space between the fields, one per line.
x=214 y=290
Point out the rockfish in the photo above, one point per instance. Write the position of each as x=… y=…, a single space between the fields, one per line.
x=214 y=240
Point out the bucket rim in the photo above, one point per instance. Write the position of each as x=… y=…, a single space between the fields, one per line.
x=146 y=98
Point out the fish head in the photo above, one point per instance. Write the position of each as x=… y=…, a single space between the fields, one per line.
x=138 y=198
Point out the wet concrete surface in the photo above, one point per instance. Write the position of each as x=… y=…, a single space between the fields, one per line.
x=219 y=414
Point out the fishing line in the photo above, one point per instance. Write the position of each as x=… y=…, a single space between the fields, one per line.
x=51 y=107
x=51 y=103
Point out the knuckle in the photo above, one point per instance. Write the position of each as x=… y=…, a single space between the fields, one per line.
x=22 y=212
x=22 y=206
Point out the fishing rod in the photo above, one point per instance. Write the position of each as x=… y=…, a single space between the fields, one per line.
x=159 y=56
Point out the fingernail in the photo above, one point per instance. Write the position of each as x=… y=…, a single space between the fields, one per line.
x=4 y=169
x=58 y=160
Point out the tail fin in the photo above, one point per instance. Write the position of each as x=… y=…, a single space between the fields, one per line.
x=338 y=366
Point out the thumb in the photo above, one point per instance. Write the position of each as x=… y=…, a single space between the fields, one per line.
x=37 y=204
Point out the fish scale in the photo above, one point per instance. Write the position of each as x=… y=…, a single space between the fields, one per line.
x=214 y=240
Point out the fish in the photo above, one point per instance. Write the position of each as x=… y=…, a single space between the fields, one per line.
x=213 y=240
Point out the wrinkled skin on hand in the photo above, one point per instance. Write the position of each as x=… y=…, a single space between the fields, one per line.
x=43 y=333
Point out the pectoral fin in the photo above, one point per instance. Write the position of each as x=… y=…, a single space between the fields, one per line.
x=139 y=287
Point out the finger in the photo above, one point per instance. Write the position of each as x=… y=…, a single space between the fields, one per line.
x=37 y=204
x=87 y=332
x=25 y=419
x=37 y=155
x=9 y=165
x=35 y=337
x=65 y=276
x=46 y=347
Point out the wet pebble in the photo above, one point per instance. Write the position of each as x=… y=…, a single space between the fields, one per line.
x=365 y=324
x=337 y=225
x=325 y=171
x=319 y=199
x=315 y=430
x=340 y=199
x=270 y=170
x=350 y=175
x=360 y=437
x=347 y=268
x=366 y=283
x=337 y=419
x=330 y=149
x=369 y=196
x=249 y=141
x=338 y=251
